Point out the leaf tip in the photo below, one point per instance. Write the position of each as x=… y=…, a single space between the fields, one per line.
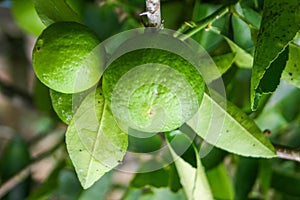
x=85 y=183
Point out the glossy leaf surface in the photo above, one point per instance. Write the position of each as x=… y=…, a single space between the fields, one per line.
x=280 y=24
x=232 y=129
x=94 y=141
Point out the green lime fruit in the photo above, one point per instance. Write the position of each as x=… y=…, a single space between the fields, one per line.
x=152 y=90
x=65 y=57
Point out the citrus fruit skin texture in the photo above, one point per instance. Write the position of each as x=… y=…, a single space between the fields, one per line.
x=152 y=90
x=65 y=58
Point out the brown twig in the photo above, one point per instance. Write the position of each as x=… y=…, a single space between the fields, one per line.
x=15 y=180
x=287 y=153
x=153 y=13
x=24 y=173
x=12 y=91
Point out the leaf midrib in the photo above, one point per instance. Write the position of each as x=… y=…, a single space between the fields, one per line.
x=92 y=159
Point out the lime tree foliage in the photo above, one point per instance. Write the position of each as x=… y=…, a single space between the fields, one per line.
x=255 y=46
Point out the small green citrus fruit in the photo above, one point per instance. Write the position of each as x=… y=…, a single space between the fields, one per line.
x=65 y=57
x=152 y=90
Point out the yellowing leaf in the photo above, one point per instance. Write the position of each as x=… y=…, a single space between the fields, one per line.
x=193 y=180
x=94 y=141
x=243 y=58
x=230 y=129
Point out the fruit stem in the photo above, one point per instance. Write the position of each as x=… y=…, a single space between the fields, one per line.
x=153 y=13
x=206 y=22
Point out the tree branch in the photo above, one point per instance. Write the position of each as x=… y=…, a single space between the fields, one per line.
x=196 y=27
x=24 y=173
x=153 y=13
x=287 y=153
x=11 y=91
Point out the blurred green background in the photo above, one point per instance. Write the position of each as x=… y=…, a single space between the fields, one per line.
x=32 y=135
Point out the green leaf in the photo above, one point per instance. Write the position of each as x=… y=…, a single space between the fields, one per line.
x=76 y=5
x=163 y=194
x=102 y=20
x=174 y=181
x=243 y=58
x=280 y=24
x=193 y=180
x=99 y=189
x=68 y=185
x=157 y=178
x=213 y=158
x=245 y=177
x=172 y=21
x=26 y=16
x=207 y=39
x=241 y=30
x=251 y=15
x=220 y=182
x=271 y=119
x=166 y=176
x=144 y=144
x=281 y=110
x=291 y=73
x=51 y=11
x=264 y=176
x=132 y=194
x=288 y=183
x=94 y=141
x=181 y=143
x=235 y=131
x=153 y=194
x=289 y=105
x=220 y=65
x=271 y=78
x=224 y=62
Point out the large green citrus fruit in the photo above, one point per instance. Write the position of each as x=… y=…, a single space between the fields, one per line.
x=65 y=58
x=152 y=90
